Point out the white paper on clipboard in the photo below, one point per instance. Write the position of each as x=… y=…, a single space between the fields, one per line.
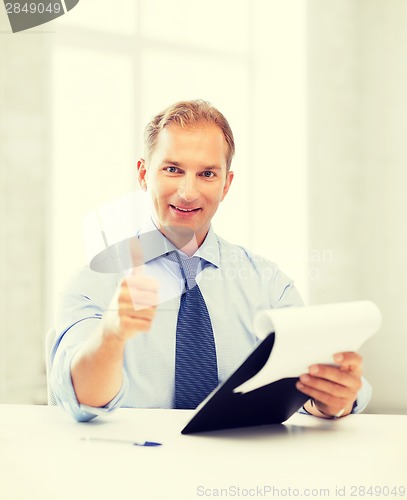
x=309 y=335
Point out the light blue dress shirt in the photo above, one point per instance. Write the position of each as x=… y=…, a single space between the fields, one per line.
x=235 y=284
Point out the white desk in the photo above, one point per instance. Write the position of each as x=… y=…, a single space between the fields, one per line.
x=43 y=457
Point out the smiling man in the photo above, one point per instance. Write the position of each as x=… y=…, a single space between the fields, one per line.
x=181 y=322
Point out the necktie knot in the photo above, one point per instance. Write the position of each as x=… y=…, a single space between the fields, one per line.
x=189 y=266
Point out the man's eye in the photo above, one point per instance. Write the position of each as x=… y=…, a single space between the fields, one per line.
x=208 y=174
x=171 y=170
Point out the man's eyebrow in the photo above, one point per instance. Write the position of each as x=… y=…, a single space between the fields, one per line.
x=175 y=163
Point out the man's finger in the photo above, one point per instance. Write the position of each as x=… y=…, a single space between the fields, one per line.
x=334 y=382
x=138 y=324
x=332 y=374
x=349 y=361
x=139 y=299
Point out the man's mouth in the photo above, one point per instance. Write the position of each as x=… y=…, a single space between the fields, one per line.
x=184 y=210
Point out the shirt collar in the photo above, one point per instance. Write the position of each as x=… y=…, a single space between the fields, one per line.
x=155 y=244
x=209 y=250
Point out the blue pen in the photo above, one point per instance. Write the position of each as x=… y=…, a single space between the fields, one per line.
x=125 y=441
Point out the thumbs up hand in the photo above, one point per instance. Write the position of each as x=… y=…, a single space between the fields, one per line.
x=133 y=306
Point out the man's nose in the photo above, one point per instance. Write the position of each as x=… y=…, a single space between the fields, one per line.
x=188 y=189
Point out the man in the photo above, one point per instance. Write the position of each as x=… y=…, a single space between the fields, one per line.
x=119 y=343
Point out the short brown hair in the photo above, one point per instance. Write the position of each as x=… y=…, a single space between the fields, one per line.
x=188 y=114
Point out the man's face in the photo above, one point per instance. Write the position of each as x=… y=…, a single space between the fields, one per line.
x=187 y=178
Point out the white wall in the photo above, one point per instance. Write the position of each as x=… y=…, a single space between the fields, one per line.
x=383 y=242
x=24 y=165
x=357 y=182
x=278 y=168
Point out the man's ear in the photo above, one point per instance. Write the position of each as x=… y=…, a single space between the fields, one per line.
x=228 y=182
x=142 y=174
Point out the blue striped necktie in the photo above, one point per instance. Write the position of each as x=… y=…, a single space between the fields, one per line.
x=196 y=371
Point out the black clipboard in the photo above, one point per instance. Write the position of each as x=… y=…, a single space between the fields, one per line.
x=271 y=404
